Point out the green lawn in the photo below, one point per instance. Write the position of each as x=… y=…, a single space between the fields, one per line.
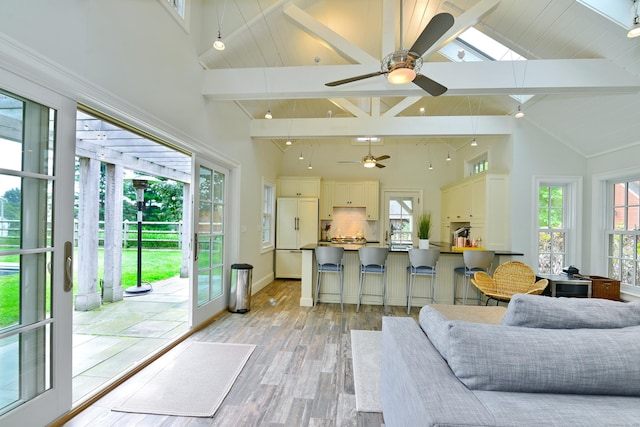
x=156 y=265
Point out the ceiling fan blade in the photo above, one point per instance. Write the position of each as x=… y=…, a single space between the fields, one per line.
x=378 y=165
x=434 y=88
x=350 y=162
x=383 y=157
x=435 y=29
x=353 y=79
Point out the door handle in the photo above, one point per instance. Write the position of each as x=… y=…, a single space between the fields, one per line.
x=195 y=246
x=68 y=267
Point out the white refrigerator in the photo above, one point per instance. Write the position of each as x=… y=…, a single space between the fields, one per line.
x=296 y=225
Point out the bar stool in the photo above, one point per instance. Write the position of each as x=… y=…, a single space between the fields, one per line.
x=373 y=260
x=474 y=260
x=329 y=260
x=423 y=263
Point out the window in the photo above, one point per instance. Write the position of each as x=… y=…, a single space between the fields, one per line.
x=624 y=232
x=477 y=165
x=268 y=217
x=557 y=223
x=179 y=10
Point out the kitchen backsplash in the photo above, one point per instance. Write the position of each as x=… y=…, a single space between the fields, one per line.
x=350 y=222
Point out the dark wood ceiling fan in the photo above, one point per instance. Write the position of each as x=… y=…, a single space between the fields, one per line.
x=403 y=66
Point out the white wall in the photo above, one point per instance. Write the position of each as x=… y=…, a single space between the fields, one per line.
x=131 y=60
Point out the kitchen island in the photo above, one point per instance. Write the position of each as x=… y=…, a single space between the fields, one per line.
x=397 y=263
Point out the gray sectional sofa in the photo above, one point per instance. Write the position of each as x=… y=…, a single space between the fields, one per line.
x=551 y=362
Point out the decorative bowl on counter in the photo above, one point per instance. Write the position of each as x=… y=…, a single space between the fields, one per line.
x=349 y=239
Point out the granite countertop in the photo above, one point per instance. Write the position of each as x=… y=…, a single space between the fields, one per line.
x=445 y=248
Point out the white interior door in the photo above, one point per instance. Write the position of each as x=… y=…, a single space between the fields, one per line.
x=209 y=287
x=37 y=138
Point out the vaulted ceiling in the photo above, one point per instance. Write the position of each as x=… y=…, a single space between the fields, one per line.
x=581 y=67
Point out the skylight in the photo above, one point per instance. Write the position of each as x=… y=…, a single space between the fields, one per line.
x=620 y=12
x=473 y=45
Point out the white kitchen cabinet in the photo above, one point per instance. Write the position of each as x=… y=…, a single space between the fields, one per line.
x=482 y=200
x=326 y=200
x=349 y=194
x=294 y=186
x=296 y=226
x=373 y=200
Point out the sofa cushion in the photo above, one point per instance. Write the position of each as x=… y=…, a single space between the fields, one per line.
x=535 y=311
x=436 y=326
x=575 y=361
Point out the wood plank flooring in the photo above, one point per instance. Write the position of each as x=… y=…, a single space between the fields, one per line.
x=299 y=375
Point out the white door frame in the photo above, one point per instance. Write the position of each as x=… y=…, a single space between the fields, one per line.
x=387 y=194
x=57 y=400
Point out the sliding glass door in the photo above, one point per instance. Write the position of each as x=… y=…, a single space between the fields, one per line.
x=36 y=231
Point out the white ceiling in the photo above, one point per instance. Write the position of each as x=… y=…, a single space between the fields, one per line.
x=583 y=69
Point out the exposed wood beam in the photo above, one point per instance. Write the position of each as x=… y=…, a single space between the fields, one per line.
x=349 y=106
x=329 y=37
x=462 y=22
x=208 y=56
x=434 y=126
x=107 y=155
x=558 y=76
x=401 y=106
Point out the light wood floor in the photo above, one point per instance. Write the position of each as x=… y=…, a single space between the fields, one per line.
x=306 y=354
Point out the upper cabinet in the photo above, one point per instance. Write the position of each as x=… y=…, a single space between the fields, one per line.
x=351 y=194
x=326 y=200
x=295 y=186
x=481 y=200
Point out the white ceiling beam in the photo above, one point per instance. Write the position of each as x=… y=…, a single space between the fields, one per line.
x=349 y=106
x=329 y=37
x=462 y=22
x=401 y=106
x=207 y=57
x=557 y=76
x=433 y=126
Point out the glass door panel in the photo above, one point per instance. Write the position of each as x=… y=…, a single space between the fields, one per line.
x=28 y=315
x=401 y=212
x=211 y=199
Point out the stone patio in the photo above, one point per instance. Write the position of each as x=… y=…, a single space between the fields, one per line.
x=114 y=337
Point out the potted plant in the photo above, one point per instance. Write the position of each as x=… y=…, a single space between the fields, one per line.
x=424 y=230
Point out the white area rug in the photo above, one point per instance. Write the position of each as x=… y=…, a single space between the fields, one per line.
x=366 y=352
x=193 y=383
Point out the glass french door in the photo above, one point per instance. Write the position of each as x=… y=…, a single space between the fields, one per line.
x=36 y=231
x=210 y=199
x=402 y=209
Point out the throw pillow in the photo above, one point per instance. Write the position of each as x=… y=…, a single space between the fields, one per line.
x=574 y=361
x=535 y=311
x=436 y=326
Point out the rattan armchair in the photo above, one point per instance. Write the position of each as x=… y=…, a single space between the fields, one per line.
x=513 y=277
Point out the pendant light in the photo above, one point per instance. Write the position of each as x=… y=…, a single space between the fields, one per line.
x=268 y=116
x=218 y=44
x=474 y=143
x=519 y=114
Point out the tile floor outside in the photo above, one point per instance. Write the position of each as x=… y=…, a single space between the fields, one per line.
x=108 y=340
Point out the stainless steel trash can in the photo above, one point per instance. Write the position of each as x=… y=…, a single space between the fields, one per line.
x=240 y=290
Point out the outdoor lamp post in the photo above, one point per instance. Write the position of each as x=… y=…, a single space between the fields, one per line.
x=140 y=183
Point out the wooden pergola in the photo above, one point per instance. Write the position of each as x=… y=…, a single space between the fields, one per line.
x=97 y=142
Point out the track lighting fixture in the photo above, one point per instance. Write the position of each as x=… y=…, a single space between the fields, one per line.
x=218 y=44
x=268 y=116
x=519 y=114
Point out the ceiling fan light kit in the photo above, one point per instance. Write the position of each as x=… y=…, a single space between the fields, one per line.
x=634 y=31
x=403 y=66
